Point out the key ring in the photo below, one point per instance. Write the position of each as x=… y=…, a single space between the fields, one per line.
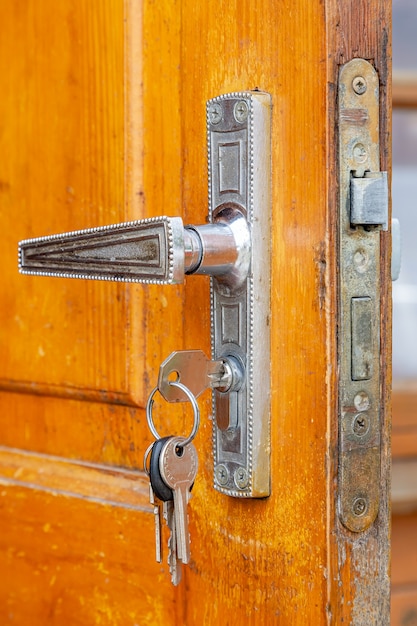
x=145 y=459
x=196 y=410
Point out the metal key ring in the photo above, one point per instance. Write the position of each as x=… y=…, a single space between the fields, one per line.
x=196 y=410
x=145 y=459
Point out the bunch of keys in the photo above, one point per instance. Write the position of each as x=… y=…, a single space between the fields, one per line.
x=172 y=470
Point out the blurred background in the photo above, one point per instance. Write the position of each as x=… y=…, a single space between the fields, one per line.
x=404 y=203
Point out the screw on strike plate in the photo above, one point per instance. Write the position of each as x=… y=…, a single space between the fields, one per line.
x=359 y=85
x=359 y=506
x=362 y=401
x=360 y=425
x=360 y=153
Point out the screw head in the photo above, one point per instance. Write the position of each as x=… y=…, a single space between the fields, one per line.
x=241 y=111
x=241 y=478
x=222 y=475
x=359 y=506
x=360 y=153
x=361 y=260
x=360 y=424
x=362 y=401
x=215 y=113
x=359 y=85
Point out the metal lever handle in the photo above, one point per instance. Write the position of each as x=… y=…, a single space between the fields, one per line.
x=157 y=250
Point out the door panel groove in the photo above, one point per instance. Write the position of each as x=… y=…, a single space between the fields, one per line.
x=106 y=396
x=77 y=479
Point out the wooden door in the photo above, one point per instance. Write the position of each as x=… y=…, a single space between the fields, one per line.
x=102 y=120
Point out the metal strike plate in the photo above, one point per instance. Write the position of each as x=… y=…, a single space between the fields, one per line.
x=363 y=212
x=239 y=145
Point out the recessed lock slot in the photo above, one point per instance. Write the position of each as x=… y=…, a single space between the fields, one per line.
x=362 y=338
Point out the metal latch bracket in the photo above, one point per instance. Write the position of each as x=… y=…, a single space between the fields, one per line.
x=363 y=213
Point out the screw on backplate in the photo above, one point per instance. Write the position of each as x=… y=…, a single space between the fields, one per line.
x=360 y=425
x=359 y=85
x=241 y=477
x=222 y=475
x=359 y=506
x=215 y=113
x=241 y=111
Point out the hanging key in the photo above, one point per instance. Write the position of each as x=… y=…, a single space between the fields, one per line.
x=175 y=566
x=158 y=493
x=156 y=505
x=178 y=465
x=162 y=498
x=194 y=370
x=173 y=467
x=158 y=525
x=159 y=487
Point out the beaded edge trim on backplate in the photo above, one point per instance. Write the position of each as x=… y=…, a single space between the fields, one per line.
x=247 y=96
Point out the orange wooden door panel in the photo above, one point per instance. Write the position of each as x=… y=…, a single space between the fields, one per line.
x=103 y=120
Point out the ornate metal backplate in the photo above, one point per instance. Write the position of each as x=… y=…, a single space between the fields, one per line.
x=239 y=140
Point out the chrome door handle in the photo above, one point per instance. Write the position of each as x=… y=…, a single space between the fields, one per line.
x=157 y=250
x=233 y=248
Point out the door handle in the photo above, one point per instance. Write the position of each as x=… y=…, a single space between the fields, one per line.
x=233 y=248
x=158 y=250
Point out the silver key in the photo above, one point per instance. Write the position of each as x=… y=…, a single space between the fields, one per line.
x=158 y=531
x=196 y=372
x=158 y=491
x=175 y=566
x=178 y=466
x=155 y=502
